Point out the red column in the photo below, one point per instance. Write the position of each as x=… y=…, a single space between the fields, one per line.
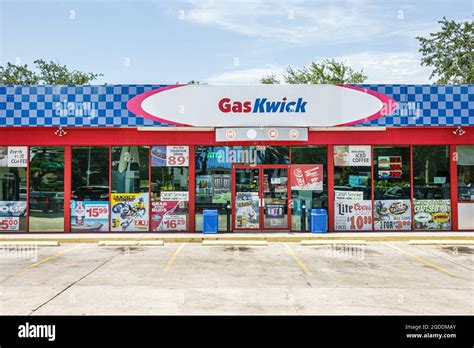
x=330 y=186
x=192 y=189
x=453 y=185
x=67 y=187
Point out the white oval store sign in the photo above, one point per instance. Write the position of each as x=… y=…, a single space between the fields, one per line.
x=261 y=105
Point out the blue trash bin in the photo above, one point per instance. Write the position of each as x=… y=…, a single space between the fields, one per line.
x=319 y=220
x=209 y=221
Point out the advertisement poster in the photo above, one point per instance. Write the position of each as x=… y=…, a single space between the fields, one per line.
x=275 y=210
x=348 y=195
x=432 y=214
x=389 y=167
x=392 y=215
x=174 y=196
x=352 y=156
x=10 y=213
x=13 y=156
x=168 y=216
x=247 y=213
x=221 y=188
x=89 y=216
x=129 y=211
x=307 y=177
x=351 y=215
x=3 y=156
x=170 y=156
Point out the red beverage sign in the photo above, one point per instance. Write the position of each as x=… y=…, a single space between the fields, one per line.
x=307 y=177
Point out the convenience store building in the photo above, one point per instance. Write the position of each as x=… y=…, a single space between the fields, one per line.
x=153 y=157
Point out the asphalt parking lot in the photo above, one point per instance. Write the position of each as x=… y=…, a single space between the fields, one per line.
x=281 y=278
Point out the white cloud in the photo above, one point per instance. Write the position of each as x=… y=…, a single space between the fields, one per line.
x=389 y=67
x=245 y=76
x=380 y=67
x=301 y=22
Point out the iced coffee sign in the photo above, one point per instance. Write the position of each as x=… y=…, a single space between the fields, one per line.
x=345 y=156
x=13 y=156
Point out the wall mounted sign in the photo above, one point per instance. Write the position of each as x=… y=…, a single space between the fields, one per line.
x=261 y=134
x=262 y=105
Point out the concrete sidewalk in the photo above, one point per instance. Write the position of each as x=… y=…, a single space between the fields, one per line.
x=198 y=237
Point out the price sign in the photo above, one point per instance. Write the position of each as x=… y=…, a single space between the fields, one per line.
x=174 y=222
x=97 y=211
x=9 y=223
x=177 y=156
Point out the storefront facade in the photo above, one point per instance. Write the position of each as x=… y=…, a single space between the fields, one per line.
x=151 y=158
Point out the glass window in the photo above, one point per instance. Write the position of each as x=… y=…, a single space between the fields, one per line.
x=392 y=203
x=465 y=173
x=309 y=198
x=130 y=169
x=170 y=197
x=213 y=178
x=273 y=154
x=352 y=188
x=90 y=173
x=90 y=189
x=12 y=189
x=391 y=172
x=431 y=172
x=431 y=205
x=46 y=189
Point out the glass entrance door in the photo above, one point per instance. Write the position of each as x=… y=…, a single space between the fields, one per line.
x=247 y=198
x=260 y=198
x=275 y=198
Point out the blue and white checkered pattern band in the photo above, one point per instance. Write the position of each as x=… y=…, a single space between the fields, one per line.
x=106 y=106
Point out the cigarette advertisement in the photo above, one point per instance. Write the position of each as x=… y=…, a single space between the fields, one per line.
x=247 y=213
x=174 y=196
x=307 y=177
x=169 y=216
x=389 y=167
x=351 y=215
x=129 y=211
x=432 y=214
x=89 y=216
x=348 y=195
x=10 y=213
x=352 y=156
x=392 y=215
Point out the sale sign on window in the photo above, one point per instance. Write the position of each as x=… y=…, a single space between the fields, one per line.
x=170 y=156
x=168 y=216
x=9 y=223
x=307 y=177
x=89 y=216
x=352 y=215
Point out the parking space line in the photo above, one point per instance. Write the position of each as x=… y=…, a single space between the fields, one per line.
x=173 y=258
x=46 y=259
x=419 y=259
x=298 y=261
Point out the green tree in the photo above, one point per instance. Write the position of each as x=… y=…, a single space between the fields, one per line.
x=46 y=73
x=450 y=52
x=326 y=71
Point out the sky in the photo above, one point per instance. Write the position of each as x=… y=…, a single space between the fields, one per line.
x=223 y=42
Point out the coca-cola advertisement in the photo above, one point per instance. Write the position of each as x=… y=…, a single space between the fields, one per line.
x=307 y=177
